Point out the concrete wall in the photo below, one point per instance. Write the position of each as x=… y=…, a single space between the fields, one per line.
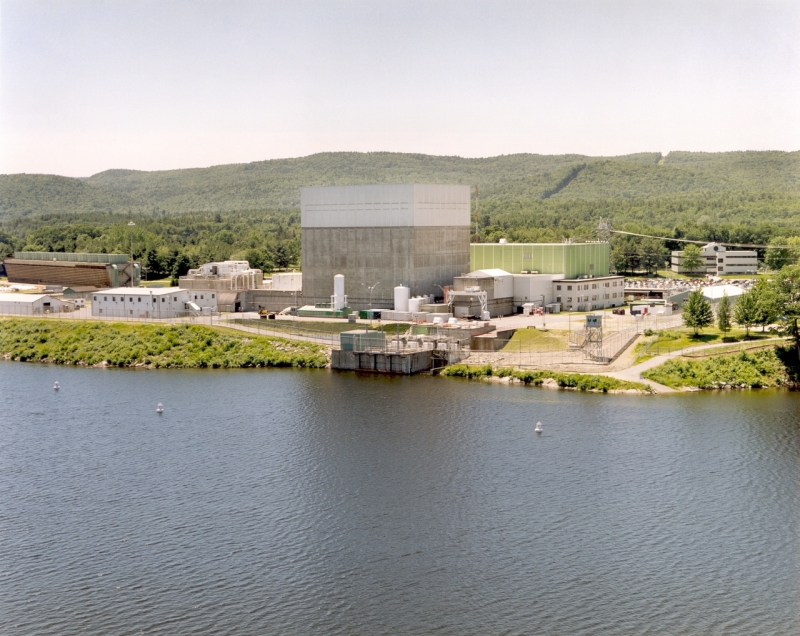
x=419 y=257
x=401 y=363
x=270 y=299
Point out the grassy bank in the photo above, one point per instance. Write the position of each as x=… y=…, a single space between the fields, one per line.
x=147 y=345
x=537 y=340
x=757 y=369
x=577 y=381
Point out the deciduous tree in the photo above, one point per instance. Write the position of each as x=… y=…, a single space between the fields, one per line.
x=697 y=313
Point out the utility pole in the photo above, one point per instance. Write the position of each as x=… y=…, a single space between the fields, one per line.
x=477 y=215
x=131 y=225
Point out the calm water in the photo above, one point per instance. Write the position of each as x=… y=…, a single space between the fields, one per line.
x=285 y=502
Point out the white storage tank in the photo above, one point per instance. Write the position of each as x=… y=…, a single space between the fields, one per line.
x=413 y=304
x=401 y=294
x=339 y=299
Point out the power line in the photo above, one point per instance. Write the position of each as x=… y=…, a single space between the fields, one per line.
x=681 y=240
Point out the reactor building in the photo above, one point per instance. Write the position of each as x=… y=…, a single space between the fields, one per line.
x=382 y=236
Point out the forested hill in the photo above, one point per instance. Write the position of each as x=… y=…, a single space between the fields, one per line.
x=509 y=179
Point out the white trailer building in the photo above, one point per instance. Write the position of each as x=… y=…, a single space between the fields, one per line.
x=17 y=304
x=143 y=302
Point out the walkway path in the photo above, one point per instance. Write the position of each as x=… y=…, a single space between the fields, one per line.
x=634 y=373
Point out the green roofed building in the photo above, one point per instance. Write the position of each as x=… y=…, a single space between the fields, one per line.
x=573 y=260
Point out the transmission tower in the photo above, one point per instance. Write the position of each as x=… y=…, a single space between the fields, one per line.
x=604 y=230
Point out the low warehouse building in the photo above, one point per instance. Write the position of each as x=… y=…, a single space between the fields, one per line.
x=16 y=304
x=143 y=302
x=69 y=269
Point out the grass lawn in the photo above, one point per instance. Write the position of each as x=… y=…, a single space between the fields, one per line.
x=537 y=340
x=291 y=326
x=163 y=282
x=669 y=340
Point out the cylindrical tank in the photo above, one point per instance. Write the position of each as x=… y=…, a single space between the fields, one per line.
x=401 y=298
x=413 y=304
x=338 y=292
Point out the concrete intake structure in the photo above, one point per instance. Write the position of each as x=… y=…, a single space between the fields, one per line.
x=413 y=235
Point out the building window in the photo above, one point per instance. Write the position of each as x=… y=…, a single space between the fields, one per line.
x=105 y=297
x=131 y=311
x=201 y=296
x=140 y=299
x=163 y=300
x=558 y=287
x=175 y=299
x=94 y=297
x=130 y=299
x=114 y=298
x=594 y=285
x=569 y=287
x=212 y=295
x=569 y=299
x=100 y=311
x=154 y=300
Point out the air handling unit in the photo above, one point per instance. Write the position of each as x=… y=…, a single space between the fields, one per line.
x=381 y=237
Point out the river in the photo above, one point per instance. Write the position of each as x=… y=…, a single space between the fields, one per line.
x=315 y=502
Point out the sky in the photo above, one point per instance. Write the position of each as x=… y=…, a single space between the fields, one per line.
x=86 y=86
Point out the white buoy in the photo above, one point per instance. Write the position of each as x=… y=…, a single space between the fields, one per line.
x=55 y=386
x=538 y=428
x=159 y=408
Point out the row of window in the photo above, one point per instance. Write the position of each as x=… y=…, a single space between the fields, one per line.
x=583 y=299
x=594 y=286
x=139 y=298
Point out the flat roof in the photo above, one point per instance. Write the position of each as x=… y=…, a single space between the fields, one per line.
x=142 y=291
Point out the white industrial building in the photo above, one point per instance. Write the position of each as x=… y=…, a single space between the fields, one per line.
x=590 y=293
x=719 y=260
x=144 y=302
x=507 y=293
x=18 y=304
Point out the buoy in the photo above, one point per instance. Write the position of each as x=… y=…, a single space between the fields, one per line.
x=538 y=428
x=159 y=408
x=55 y=386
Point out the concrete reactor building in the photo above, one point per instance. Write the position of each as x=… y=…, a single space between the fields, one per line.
x=383 y=236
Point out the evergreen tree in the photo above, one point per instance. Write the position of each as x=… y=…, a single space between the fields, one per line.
x=697 y=312
x=745 y=313
x=724 y=314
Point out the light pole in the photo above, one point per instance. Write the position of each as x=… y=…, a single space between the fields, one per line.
x=131 y=225
x=370 y=300
x=544 y=315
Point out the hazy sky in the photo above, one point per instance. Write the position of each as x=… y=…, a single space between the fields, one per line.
x=86 y=86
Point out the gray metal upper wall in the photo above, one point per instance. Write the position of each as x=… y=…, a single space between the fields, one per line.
x=406 y=205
